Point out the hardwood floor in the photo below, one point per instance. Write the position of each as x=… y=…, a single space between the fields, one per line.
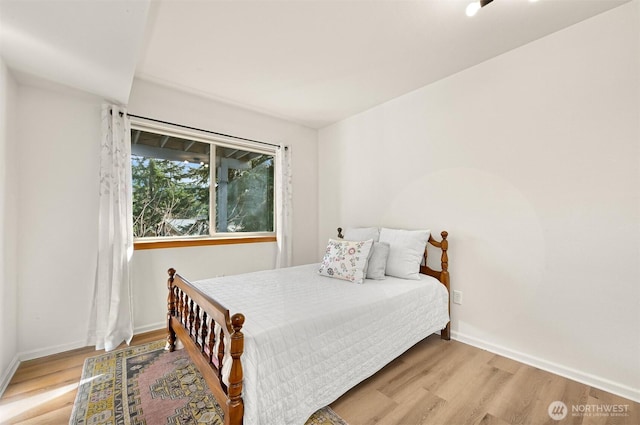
x=436 y=382
x=42 y=391
x=447 y=382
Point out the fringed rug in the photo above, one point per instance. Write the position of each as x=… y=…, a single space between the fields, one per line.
x=146 y=385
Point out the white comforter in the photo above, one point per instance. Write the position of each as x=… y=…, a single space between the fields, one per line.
x=310 y=338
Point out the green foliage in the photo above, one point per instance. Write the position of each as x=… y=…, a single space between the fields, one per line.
x=171 y=198
x=250 y=197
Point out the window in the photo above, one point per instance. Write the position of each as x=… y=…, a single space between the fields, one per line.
x=172 y=192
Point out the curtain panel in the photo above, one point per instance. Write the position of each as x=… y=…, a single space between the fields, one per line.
x=283 y=206
x=111 y=320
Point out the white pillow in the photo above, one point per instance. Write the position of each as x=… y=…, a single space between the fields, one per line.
x=406 y=253
x=361 y=234
x=346 y=260
x=378 y=261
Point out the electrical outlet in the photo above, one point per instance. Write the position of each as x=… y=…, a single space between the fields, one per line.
x=457 y=297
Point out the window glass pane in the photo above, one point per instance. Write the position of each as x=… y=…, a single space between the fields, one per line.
x=171 y=179
x=244 y=191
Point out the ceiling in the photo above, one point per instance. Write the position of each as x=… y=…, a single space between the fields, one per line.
x=313 y=62
x=173 y=148
x=90 y=45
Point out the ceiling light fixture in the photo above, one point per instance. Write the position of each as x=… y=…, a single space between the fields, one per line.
x=473 y=8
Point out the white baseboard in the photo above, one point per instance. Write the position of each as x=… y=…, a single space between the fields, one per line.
x=567 y=372
x=8 y=374
x=149 y=328
x=47 y=351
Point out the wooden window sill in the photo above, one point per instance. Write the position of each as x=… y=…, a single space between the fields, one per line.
x=178 y=243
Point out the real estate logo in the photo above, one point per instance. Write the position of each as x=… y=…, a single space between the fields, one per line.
x=557 y=410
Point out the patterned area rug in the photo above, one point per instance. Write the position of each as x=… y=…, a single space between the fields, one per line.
x=146 y=385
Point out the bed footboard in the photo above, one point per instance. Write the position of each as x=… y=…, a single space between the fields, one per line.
x=192 y=318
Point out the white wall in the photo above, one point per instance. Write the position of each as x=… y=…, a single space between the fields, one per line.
x=149 y=266
x=57 y=161
x=8 y=238
x=531 y=162
x=58 y=156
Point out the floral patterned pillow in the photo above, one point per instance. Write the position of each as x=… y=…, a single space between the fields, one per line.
x=346 y=260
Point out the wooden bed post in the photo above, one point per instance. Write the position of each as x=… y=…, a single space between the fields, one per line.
x=235 y=403
x=444 y=278
x=171 y=311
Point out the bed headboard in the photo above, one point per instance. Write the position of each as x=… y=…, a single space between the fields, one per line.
x=442 y=275
x=444 y=258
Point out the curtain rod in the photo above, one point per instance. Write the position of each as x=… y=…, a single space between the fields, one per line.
x=202 y=130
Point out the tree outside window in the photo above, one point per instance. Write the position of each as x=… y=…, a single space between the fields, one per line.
x=172 y=193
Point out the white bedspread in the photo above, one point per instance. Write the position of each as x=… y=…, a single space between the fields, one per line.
x=310 y=338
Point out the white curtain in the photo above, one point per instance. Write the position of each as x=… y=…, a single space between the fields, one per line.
x=283 y=206
x=111 y=317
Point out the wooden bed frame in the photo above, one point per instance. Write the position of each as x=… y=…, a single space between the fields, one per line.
x=192 y=316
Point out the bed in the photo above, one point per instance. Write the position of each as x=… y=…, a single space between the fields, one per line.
x=306 y=339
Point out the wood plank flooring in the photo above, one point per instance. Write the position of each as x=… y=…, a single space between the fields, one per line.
x=449 y=383
x=42 y=391
x=436 y=382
